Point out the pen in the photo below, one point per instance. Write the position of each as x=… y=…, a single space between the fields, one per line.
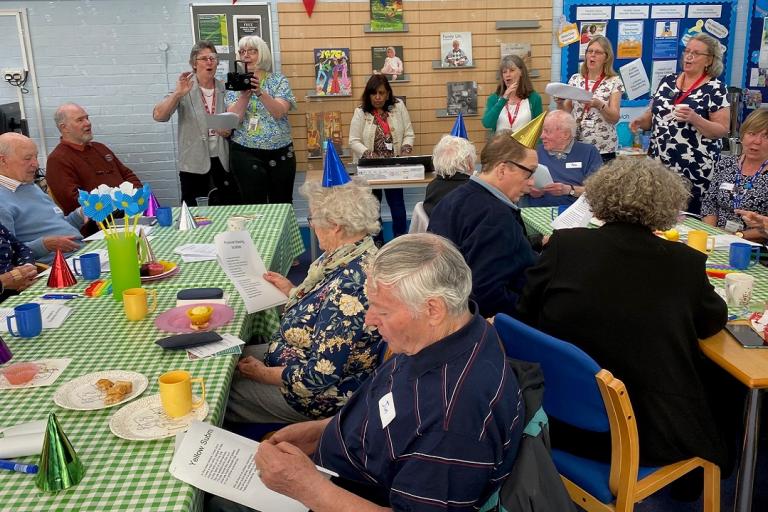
x=62 y=296
x=17 y=467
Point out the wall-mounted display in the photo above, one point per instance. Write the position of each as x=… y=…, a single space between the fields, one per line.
x=387 y=16
x=522 y=50
x=314 y=131
x=462 y=97
x=456 y=49
x=388 y=60
x=333 y=74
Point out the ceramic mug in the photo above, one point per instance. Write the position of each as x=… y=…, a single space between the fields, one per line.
x=176 y=393
x=136 y=303
x=164 y=216
x=743 y=256
x=701 y=241
x=738 y=289
x=29 y=320
x=90 y=265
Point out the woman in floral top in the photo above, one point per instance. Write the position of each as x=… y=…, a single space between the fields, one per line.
x=597 y=118
x=323 y=350
x=261 y=152
x=17 y=269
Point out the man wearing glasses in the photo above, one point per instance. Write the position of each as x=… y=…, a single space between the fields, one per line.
x=481 y=218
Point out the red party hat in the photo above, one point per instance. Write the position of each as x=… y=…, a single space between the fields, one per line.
x=61 y=275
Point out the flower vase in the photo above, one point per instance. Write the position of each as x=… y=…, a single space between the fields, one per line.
x=123 y=263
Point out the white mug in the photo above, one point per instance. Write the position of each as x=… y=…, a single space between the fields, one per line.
x=236 y=223
x=738 y=289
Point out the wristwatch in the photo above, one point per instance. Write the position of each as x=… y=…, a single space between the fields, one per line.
x=572 y=193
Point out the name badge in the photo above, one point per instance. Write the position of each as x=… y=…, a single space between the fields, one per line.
x=733 y=226
x=588 y=123
x=388 y=145
x=386 y=409
x=726 y=186
x=573 y=165
x=253 y=123
x=58 y=211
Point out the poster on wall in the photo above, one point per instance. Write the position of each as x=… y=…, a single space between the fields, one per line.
x=635 y=79
x=387 y=15
x=694 y=30
x=522 y=50
x=661 y=68
x=456 y=49
x=462 y=97
x=665 y=39
x=763 y=63
x=213 y=28
x=588 y=31
x=332 y=127
x=333 y=72
x=629 y=44
x=388 y=60
x=314 y=131
x=246 y=26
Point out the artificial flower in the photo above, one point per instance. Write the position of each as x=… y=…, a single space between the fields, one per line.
x=95 y=206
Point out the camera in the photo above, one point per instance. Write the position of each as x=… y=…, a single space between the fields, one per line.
x=237 y=81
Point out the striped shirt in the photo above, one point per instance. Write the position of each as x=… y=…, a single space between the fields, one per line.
x=459 y=417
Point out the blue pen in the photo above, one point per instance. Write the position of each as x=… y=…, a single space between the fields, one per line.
x=18 y=467
x=61 y=296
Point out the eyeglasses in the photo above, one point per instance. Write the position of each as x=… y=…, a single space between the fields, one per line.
x=595 y=52
x=249 y=51
x=695 y=54
x=761 y=136
x=526 y=169
x=208 y=58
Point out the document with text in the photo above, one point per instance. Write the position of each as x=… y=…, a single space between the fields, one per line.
x=241 y=262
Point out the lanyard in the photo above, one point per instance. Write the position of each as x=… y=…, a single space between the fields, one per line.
x=511 y=118
x=683 y=95
x=748 y=183
x=594 y=87
x=205 y=103
x=382 y=123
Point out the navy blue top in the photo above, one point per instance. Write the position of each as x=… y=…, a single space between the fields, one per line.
x=12 y=252
x=492 y=240
x=581 y=161
x=458 y=422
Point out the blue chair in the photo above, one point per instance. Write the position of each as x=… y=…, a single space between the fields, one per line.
x=580 y=393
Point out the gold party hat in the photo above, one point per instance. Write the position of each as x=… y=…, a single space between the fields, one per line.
x=529 y=134
x=146 y=255
x=59 y=467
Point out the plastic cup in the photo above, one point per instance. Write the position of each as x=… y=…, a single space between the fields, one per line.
x=20 y=373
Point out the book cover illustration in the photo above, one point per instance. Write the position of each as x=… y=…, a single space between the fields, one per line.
x=388 y=60
x=387 y=15
x=462 y=97
x=522 y=50
x=314 y=134
x=333 y=76
x=332 y=127
x=456 y=49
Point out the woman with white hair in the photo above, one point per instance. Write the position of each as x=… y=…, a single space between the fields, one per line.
x=262 y=149
x=689 y=116
x=454 y=161
x=323 y=350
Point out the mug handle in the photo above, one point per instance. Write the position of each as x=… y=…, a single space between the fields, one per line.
x=153 y=293
x=10 y=329
x=200 y=402
x=709 y=245
x=755 y=256
x=79 y=271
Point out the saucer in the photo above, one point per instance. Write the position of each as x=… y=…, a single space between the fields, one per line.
x=176 y=320
x=145 y=420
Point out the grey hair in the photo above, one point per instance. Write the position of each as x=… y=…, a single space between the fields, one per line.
x=264 y=62
x=452 y=155
x=637 y=191
x=422 y=266
x=197 y=48
x=351 y=206
x=60 y=116
x=564 y=120
x=713 y=45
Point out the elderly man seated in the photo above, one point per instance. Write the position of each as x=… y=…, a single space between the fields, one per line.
x=454 y=161
x=569 y=162
x=481 y=218
x=28 y=213
x=437 y=426
x=78 y=162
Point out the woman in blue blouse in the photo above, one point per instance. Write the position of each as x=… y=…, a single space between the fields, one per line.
x=323 y=350
x=261 y=152
x=17 y=269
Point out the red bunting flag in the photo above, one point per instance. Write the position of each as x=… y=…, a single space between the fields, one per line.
x=309 y=6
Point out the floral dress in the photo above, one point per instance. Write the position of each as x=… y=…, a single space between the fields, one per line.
x=323 y=341
x=592 y=127
x=729 y=189
x=679 y=145
x=12 y=252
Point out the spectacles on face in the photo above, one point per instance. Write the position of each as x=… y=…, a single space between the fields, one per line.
x=695 y=54
x=526 y=169
x=208 y=58
x=594 y=51
x=760 y=136
x=249 y=51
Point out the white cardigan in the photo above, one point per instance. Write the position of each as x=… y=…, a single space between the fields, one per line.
x=362 y=130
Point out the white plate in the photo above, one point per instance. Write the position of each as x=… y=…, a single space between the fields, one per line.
x=145 y=420
x=81 y=394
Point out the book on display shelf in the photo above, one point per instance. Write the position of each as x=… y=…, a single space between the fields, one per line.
x=387 y=16
x=456 y=49
x=388 y=60
x=333 y=76
x=522 y=50
x=462 y=97
x=332 y=127
x=314 y=134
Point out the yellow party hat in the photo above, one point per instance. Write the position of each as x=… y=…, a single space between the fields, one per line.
x=529 y=134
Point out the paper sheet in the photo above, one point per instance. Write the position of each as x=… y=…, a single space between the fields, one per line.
x=577 y=215
x=224 y=121
x=196 y=252
x=227 y=342
x=241 y=262
x=221 y=463
x=725 y=241
x=635 y=79
x=542 y=177
x=568 y=92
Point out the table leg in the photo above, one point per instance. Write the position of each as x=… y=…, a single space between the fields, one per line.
x=746 y=476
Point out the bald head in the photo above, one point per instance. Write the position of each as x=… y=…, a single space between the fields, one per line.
x=18 y=157
x=74 y=124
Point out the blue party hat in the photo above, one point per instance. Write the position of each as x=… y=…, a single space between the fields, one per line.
x=458 y=129
x=334 y=173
